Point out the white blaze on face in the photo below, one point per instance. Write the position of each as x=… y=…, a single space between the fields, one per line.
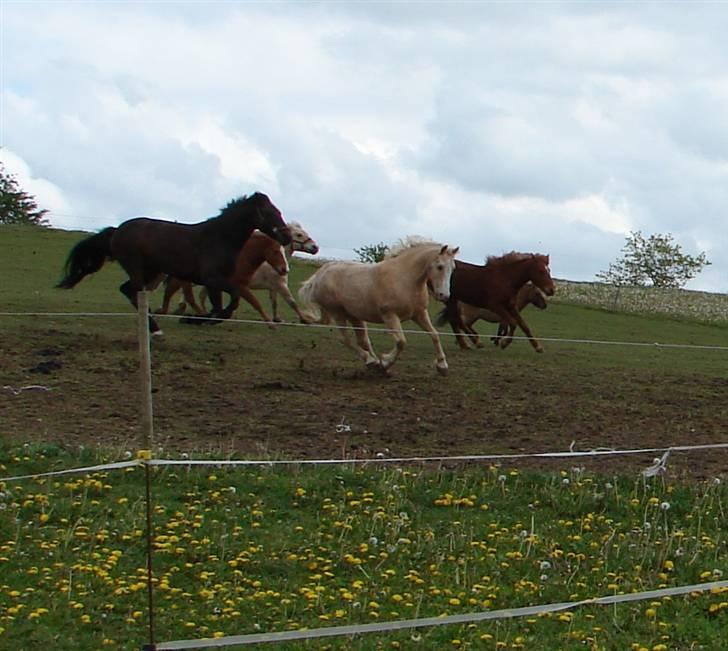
x=440 y=273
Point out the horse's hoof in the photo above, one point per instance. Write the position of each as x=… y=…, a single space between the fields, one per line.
x=539 y=349
x=277 y=320
x=480 y=345
x=442 y=370
x=157 y=333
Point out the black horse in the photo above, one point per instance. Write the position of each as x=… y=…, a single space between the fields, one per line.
x=202 y=253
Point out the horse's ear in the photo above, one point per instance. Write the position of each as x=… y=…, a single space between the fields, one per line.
x=455 y=250
x=443 y=250
x=548 y=256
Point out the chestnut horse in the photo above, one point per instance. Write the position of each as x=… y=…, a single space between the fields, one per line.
x=202 y=253
x=259 y=249
x=388 y=292
x=529 y=294
x=265 y=277
x=494 y=286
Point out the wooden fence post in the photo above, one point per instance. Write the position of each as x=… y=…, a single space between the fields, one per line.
x=145 y=370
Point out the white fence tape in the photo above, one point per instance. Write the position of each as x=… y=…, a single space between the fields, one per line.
x=603 y=342
x=382 y=627
x=74 y=471
x=658 y=464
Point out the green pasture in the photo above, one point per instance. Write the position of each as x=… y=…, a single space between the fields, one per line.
x=282 y=548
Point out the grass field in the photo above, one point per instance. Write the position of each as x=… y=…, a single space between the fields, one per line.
x=238 y=551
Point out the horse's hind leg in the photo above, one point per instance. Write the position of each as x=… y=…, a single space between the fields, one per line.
x=394 y=325
x=365 y=348
x=129 y=289
x=422 y=319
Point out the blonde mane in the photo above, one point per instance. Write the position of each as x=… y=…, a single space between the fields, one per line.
x=408 y=243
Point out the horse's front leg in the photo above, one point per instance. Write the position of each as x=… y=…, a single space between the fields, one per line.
x=288 y=298
x=171 y=287
x=422 y=319
x=190 y=299
x=273 y=295
x=394 y=325
x=527 y=331
x=253 y=300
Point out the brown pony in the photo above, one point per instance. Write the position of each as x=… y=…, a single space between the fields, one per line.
x=258 y=249
x=494 y=286
x=529 y=294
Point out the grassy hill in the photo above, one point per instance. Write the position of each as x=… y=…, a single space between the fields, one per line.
x=283 y=392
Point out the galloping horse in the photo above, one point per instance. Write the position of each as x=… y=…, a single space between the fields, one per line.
x=267 y=276
x=495 y=287
x=258 y=250
x=529 y=294
x=388 y=292
x=202 y=253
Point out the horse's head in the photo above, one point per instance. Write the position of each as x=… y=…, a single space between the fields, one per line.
x=301 y=240
x=541 y=274
x=439 y=272
x=535 y=297
x=269 y=220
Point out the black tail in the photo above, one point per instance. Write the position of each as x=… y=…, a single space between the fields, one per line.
x=87 y=257
x=449 y=314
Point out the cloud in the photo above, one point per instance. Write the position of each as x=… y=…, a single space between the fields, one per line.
x=550 y=126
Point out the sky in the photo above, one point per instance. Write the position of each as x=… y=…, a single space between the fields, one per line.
x=552 y=127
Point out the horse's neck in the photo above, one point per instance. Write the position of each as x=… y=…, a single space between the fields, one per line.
x=521 y=274
x=413 y=265
x=523 y=297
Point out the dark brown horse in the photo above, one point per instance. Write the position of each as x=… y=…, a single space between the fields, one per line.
x=258 y=249
x=495 y=286
x=529 y=294
x=202 y=253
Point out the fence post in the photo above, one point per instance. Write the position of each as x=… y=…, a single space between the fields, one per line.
x=145 y=370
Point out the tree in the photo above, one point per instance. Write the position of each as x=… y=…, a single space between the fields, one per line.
x=656 y=261
x=16 y=205
x=372 y=252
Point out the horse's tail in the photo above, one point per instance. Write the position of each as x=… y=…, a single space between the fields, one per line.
x=87 y=257
x=449 y=314
x=306 y=296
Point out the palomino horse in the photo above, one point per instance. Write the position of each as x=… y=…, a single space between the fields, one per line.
x=202 y=253
x=529 y=294
x=267 y=276
x=388 y=292
x=258 y=250
x=494 y=287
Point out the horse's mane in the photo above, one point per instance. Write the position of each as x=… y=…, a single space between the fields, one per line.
x=408 y=243
x=509 y=258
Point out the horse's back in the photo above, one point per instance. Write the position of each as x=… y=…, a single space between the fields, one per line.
x=345 y=286
x=168 y=247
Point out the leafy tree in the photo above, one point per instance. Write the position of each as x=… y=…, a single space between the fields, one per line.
x=372 y=252
x=16 y=205
x=656 y=261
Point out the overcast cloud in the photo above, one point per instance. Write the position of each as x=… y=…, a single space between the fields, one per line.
x=550 y=127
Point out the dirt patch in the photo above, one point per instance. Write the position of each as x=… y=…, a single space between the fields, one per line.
x=228 y=394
